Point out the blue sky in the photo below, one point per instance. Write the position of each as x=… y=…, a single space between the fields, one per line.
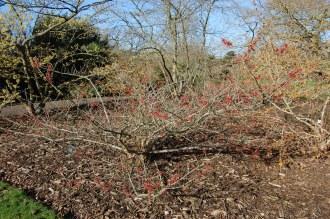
x=228 y=26
x=222 y=25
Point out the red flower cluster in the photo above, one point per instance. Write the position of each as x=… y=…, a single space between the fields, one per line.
x=258 y=77
x=207 y=169
x=228 y=100
x=35 y=63
x=105 y=186
x=145 y=79
x=129 y=91
x=242 y=58
x=173 y=179
x=227 y=43
x=160 y=115
x=244 y=98
x=75 y=183
x=150 y=187
x=284 y=84
x=189 y=118
x=94 y=105
x=184 y=100
x=252 y=46
x=254 y=93
x=202 y=101
x=49 y=74
x=277 y=97
x=282 y=49
x=294 y=73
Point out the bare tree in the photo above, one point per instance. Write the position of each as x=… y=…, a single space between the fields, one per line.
x=172 y=29
x=301 y=22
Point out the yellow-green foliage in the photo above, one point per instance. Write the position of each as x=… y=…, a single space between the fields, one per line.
x=9 y=77
x=7 y=56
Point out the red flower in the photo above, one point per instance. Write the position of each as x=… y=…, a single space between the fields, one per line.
x=184 y=100
x=94 y=105
x=127 y=192
x=207 y=169
x=246 y=99
x=254 y=93
x=173 y=179
x=35 y=63
x=277 y=97
x=252 y=46
x=150 y=187
x=284 y=84
x=242 y=58
x=228 y=100
x=129 y=91
x=145 y=79
x=282 y=49
x=251 y=66
x=189 y=118
x=202 y=101
x=231 y=80
x=160 y=115
x=227 y=43
x=294 y=73
x=142 y=101
x=256 y=153
x=49 y=74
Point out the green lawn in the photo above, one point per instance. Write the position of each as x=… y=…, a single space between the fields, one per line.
x=14 y=204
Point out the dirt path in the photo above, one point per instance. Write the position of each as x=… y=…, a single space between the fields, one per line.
x=21 y=109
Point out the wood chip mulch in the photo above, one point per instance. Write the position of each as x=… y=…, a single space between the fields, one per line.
x=84 y=180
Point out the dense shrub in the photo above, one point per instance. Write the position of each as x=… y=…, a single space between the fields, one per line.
x=75 y=46
x=74 y=49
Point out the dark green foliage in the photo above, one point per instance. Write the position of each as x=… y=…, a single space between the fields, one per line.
x=229 y=56
x=75 y=45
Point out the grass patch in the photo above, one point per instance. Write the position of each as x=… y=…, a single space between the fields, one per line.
x=15 y=204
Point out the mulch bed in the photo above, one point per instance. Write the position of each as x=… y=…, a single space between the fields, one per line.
x=241 y=181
